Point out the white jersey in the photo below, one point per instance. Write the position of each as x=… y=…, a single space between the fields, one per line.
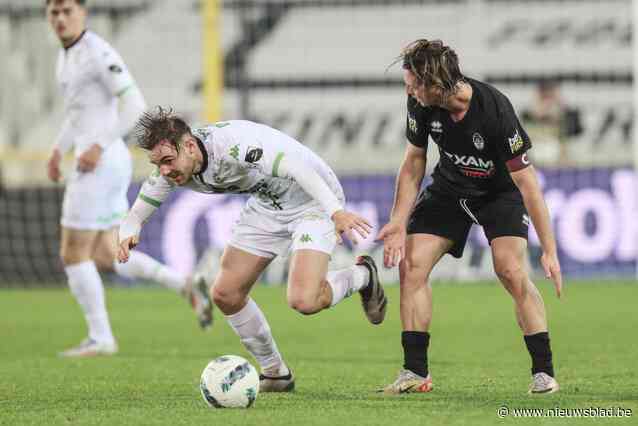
x=243 y=157
x=91 y=75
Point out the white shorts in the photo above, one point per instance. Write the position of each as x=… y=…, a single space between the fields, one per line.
x=269 y=235
x=97 y=200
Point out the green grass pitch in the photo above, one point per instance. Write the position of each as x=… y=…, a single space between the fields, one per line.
x=477 y=358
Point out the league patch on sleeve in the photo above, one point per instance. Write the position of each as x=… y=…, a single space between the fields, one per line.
x=253 y=154
x=115 y=68
x=516 y=142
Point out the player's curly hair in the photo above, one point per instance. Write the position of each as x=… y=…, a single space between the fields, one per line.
x=161 y=124
x=433 y=63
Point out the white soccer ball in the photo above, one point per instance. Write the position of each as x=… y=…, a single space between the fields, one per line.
x=229 y=381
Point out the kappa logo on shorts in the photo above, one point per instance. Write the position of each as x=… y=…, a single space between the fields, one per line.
x=305 y=238
x=525 y=220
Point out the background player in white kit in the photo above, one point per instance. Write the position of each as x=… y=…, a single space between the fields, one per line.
x=297 y=207
x=94 y=80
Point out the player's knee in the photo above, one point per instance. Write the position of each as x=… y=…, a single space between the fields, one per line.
x=71 y=257
x=302 y=304
x=413 y=274
x=226 y=301
x=512 y=277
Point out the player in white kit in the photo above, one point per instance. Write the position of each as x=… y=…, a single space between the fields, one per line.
x=94 y=82
x=296 y=207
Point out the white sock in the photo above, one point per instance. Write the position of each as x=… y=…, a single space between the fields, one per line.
x=86 y=285
x=141 y=265
x=345 y=282
x=254 y=332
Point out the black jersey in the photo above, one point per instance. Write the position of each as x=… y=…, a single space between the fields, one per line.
x=473 y=151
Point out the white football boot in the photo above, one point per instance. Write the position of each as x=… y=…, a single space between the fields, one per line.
x=543 y=383
x=89 y=348
x=409 y=382
x=196 y=292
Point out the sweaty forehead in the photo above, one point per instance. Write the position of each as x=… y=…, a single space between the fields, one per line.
x=162 y=149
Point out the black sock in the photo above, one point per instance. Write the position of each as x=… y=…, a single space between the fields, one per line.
x=415 y=351
x=541 y=353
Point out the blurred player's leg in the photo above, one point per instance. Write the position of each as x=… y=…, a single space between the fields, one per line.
x=86 y=286
x=509 y=264
x=239 y=270
x=143 y=266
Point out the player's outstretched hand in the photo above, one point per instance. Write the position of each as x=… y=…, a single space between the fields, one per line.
x=393 y=235
x=53 y=166
x=125 y=247
x=349 y=222
x=89 y=158
x=551 y=266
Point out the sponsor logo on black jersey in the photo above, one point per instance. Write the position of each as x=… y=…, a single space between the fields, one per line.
x=436 y=127
x=516 y=142
x=479 y=143
x=253 y=154
x=472 y=166
x=115 y=68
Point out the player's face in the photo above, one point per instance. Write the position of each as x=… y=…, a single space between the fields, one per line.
x=176 y=166
x=67 y=18
x=416 y=88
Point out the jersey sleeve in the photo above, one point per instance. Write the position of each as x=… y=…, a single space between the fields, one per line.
x=112 y=71
x=416 y=129
x=155 y=189
x=246 y=148
x=511 y=139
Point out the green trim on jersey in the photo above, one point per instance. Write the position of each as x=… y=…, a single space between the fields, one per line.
x=123 y=91
x=275 y=165
x=149 y=200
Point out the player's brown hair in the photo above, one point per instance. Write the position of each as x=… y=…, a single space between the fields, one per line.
x=159 y=125
x=433 y=63
x=79 y=2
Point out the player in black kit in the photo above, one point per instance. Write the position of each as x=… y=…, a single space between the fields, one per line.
x=484 y=176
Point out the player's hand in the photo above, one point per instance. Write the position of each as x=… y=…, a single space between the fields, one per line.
x=393 y=235
x=89 y=158
x=348 y=222
x=125 y=247
x=551 y=266
x=53 y=166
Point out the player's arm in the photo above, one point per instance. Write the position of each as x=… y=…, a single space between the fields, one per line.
x=153 y=192
x=527 y=182
x=62 y=144
x=315 y=186
x=513 y=150
x=408 y=185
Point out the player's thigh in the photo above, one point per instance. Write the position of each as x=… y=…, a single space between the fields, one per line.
x=440 y=215
x=105 y=250
x=308 y=269
x=422 y=253
x=95 y=200
x=76 y=245
x=239 y=270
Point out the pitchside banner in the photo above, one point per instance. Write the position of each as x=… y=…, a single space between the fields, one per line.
x=593 y=213
x=318 y=70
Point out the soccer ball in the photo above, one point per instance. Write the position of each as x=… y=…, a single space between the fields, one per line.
x=229 y=381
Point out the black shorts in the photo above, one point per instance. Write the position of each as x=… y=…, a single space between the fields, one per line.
x=451 y=217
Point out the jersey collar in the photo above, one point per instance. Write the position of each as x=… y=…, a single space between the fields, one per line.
x=76 y=41
x=202 y=148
